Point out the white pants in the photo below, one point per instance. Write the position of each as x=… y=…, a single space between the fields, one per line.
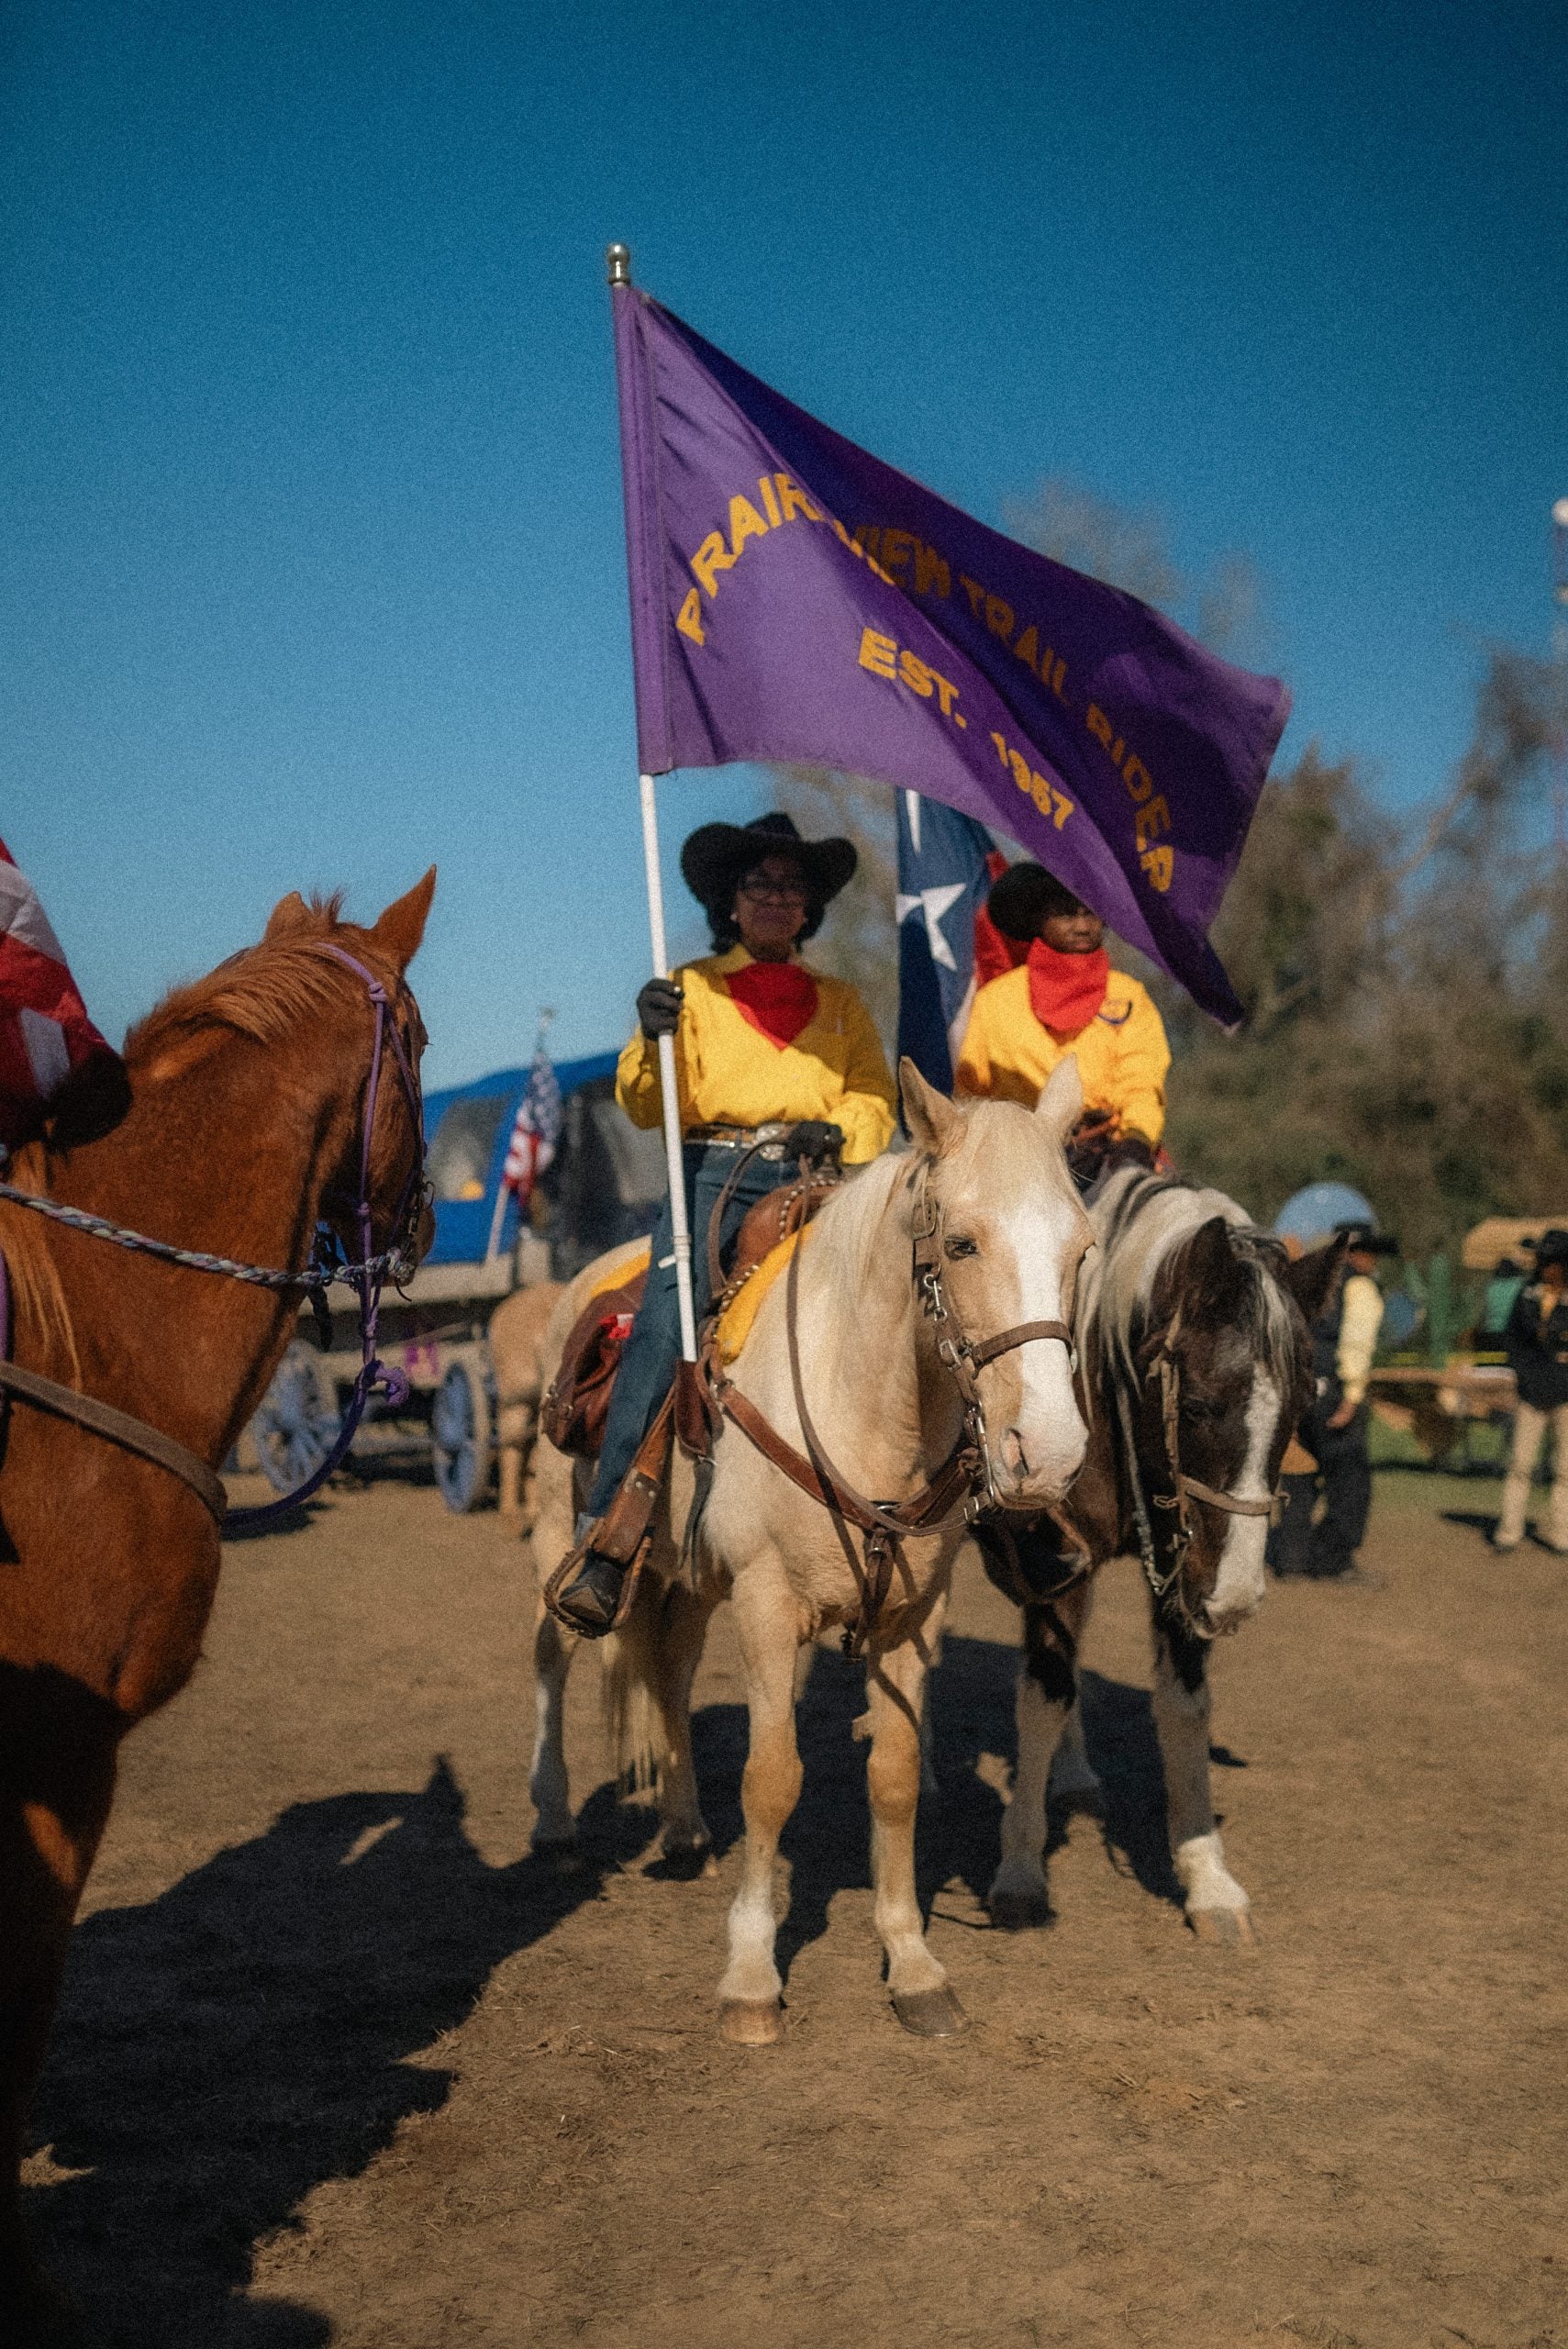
x=1530 y=1426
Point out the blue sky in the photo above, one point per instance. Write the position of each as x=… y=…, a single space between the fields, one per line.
x=312 y=548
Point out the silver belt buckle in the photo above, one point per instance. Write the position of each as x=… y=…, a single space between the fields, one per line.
x=771 y=1138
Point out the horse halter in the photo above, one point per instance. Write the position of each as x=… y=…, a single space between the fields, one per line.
x=961 y=1355
x=1186 y=1489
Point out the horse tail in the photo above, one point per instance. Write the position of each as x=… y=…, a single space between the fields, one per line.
x=630 y=1659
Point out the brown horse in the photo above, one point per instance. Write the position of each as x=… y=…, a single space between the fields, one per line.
x=243 y=1130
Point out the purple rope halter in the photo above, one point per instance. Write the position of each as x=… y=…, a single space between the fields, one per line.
x=369 y=1275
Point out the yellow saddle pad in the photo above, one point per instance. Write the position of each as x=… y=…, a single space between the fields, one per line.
x=735 y=1322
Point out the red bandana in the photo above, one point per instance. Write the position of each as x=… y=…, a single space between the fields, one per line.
x=778 y=998
x=1066 y=990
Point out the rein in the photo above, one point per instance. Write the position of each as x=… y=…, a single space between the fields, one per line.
x=1185 y=1489
x=367 y=1274
x=964 y=1480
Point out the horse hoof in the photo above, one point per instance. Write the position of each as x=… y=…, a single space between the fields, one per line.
x=686 y=1862
x=930 y=2014
x=1224 y=1928
x=1019 y=1912
x=752 y=2023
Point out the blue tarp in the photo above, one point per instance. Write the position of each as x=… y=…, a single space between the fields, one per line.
x=462 y=1225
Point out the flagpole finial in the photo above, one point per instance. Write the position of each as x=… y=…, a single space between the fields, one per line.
x=618 y=262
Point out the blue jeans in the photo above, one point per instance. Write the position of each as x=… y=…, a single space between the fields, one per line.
x=647 y=1368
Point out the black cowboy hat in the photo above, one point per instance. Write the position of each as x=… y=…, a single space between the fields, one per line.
x=717 y=857
x=1023 y=896
x=1363 y=1237
x=1551 y=1248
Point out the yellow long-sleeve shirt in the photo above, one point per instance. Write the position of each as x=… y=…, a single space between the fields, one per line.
x=730 y=1075
x=1122 y=1054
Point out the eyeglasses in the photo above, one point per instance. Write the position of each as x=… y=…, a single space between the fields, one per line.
x=774 y=893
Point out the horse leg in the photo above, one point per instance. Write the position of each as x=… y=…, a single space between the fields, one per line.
x=48 y=1835
x=1217 y=1908
x=1074 y=1782
x=684 y=1841
x=768 y=1631
x=1047 y=1703
x=895 y=1689
x=555 y=1829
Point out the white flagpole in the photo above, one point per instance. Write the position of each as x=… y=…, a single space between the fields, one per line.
x=674 y=1161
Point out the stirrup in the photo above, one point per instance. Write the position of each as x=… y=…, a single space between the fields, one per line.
x=572 y=1565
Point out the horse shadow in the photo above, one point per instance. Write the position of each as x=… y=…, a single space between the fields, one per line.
x=958 y=1839
x=222 y=2050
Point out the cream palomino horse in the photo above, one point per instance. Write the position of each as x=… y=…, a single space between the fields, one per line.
x=989 y=1181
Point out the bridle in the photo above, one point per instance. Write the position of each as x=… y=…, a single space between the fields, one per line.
x=367 y=1274
x=1163 y=1364
x=966 y=1482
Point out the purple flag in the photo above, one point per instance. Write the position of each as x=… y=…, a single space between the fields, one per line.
x=794 y=598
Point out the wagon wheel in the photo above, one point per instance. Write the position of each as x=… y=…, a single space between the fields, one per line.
x=461 y=1436
x=296 y=1423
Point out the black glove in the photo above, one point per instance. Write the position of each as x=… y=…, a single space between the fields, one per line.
x=814 y=1138
x=658 y=1008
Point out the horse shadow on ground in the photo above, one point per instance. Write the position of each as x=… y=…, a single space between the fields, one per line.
x=226 y=2048
x=827 y=1840
x=262 y=2026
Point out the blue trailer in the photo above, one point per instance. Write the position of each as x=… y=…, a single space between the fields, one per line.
x=603 y=1186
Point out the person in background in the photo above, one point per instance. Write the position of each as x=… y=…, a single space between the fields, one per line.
x=1536 y=1340
x=1334 y=1430
x=767 y=1052
x=1065 y=997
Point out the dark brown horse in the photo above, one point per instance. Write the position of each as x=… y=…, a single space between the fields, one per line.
x=246 y=1093
x=1192 y=1331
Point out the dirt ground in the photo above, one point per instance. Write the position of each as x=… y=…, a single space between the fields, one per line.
x=339 y=2062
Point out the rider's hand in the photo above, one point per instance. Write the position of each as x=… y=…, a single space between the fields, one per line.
x=814 y=1137
x=658 y=1008
x=1341 y=1415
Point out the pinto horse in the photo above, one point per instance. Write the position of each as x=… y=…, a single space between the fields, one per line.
x=958 y=1257
x=248 y=1094
x=1193 y=1336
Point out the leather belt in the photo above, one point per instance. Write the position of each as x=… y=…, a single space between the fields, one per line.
x=768 y=1140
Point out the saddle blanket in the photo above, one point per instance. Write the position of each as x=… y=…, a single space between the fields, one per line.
x=735 y=1322
x=44 y=1029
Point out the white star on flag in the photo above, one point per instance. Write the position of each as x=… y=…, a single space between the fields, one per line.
x=934 y=904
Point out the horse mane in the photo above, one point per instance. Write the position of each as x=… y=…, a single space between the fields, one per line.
x=263 y=992
x=846 y=1232
x=1146 y=1224
x=38 y=1293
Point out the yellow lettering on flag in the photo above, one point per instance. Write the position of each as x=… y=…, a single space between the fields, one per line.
x=999 y=618
x=1159 y=865
x=914 y=672
x=1152 y=818
x=690 y=621
x=877 y=653
x=1027 y=648
x=1139 y=781
x=712 y=557
x=795 y=501
x=1098 y=724
x=898 y=547
x=770 y=500
x=930 y=571
x=975 y=593
x=745 y=522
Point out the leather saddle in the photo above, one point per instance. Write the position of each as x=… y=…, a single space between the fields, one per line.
x=576 y=1407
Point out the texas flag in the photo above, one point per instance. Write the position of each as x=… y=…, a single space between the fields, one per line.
x=947 y=944
x=44 y=1029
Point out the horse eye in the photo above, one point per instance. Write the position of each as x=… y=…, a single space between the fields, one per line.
x=961 y=1246
x=1198 y=1406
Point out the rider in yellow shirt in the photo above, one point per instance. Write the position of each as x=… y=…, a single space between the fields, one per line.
x=761 y=1042
x=1064 y=998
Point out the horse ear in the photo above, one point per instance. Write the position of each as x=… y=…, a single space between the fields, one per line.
x=934 y=1124
x=1210 y=1261
x=402 y=926
x=290 y=914
x=1310 y=1278
x=1060 y=1105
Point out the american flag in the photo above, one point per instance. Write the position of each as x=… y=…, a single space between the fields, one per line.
x=537 y=1131
x=44 y=1029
